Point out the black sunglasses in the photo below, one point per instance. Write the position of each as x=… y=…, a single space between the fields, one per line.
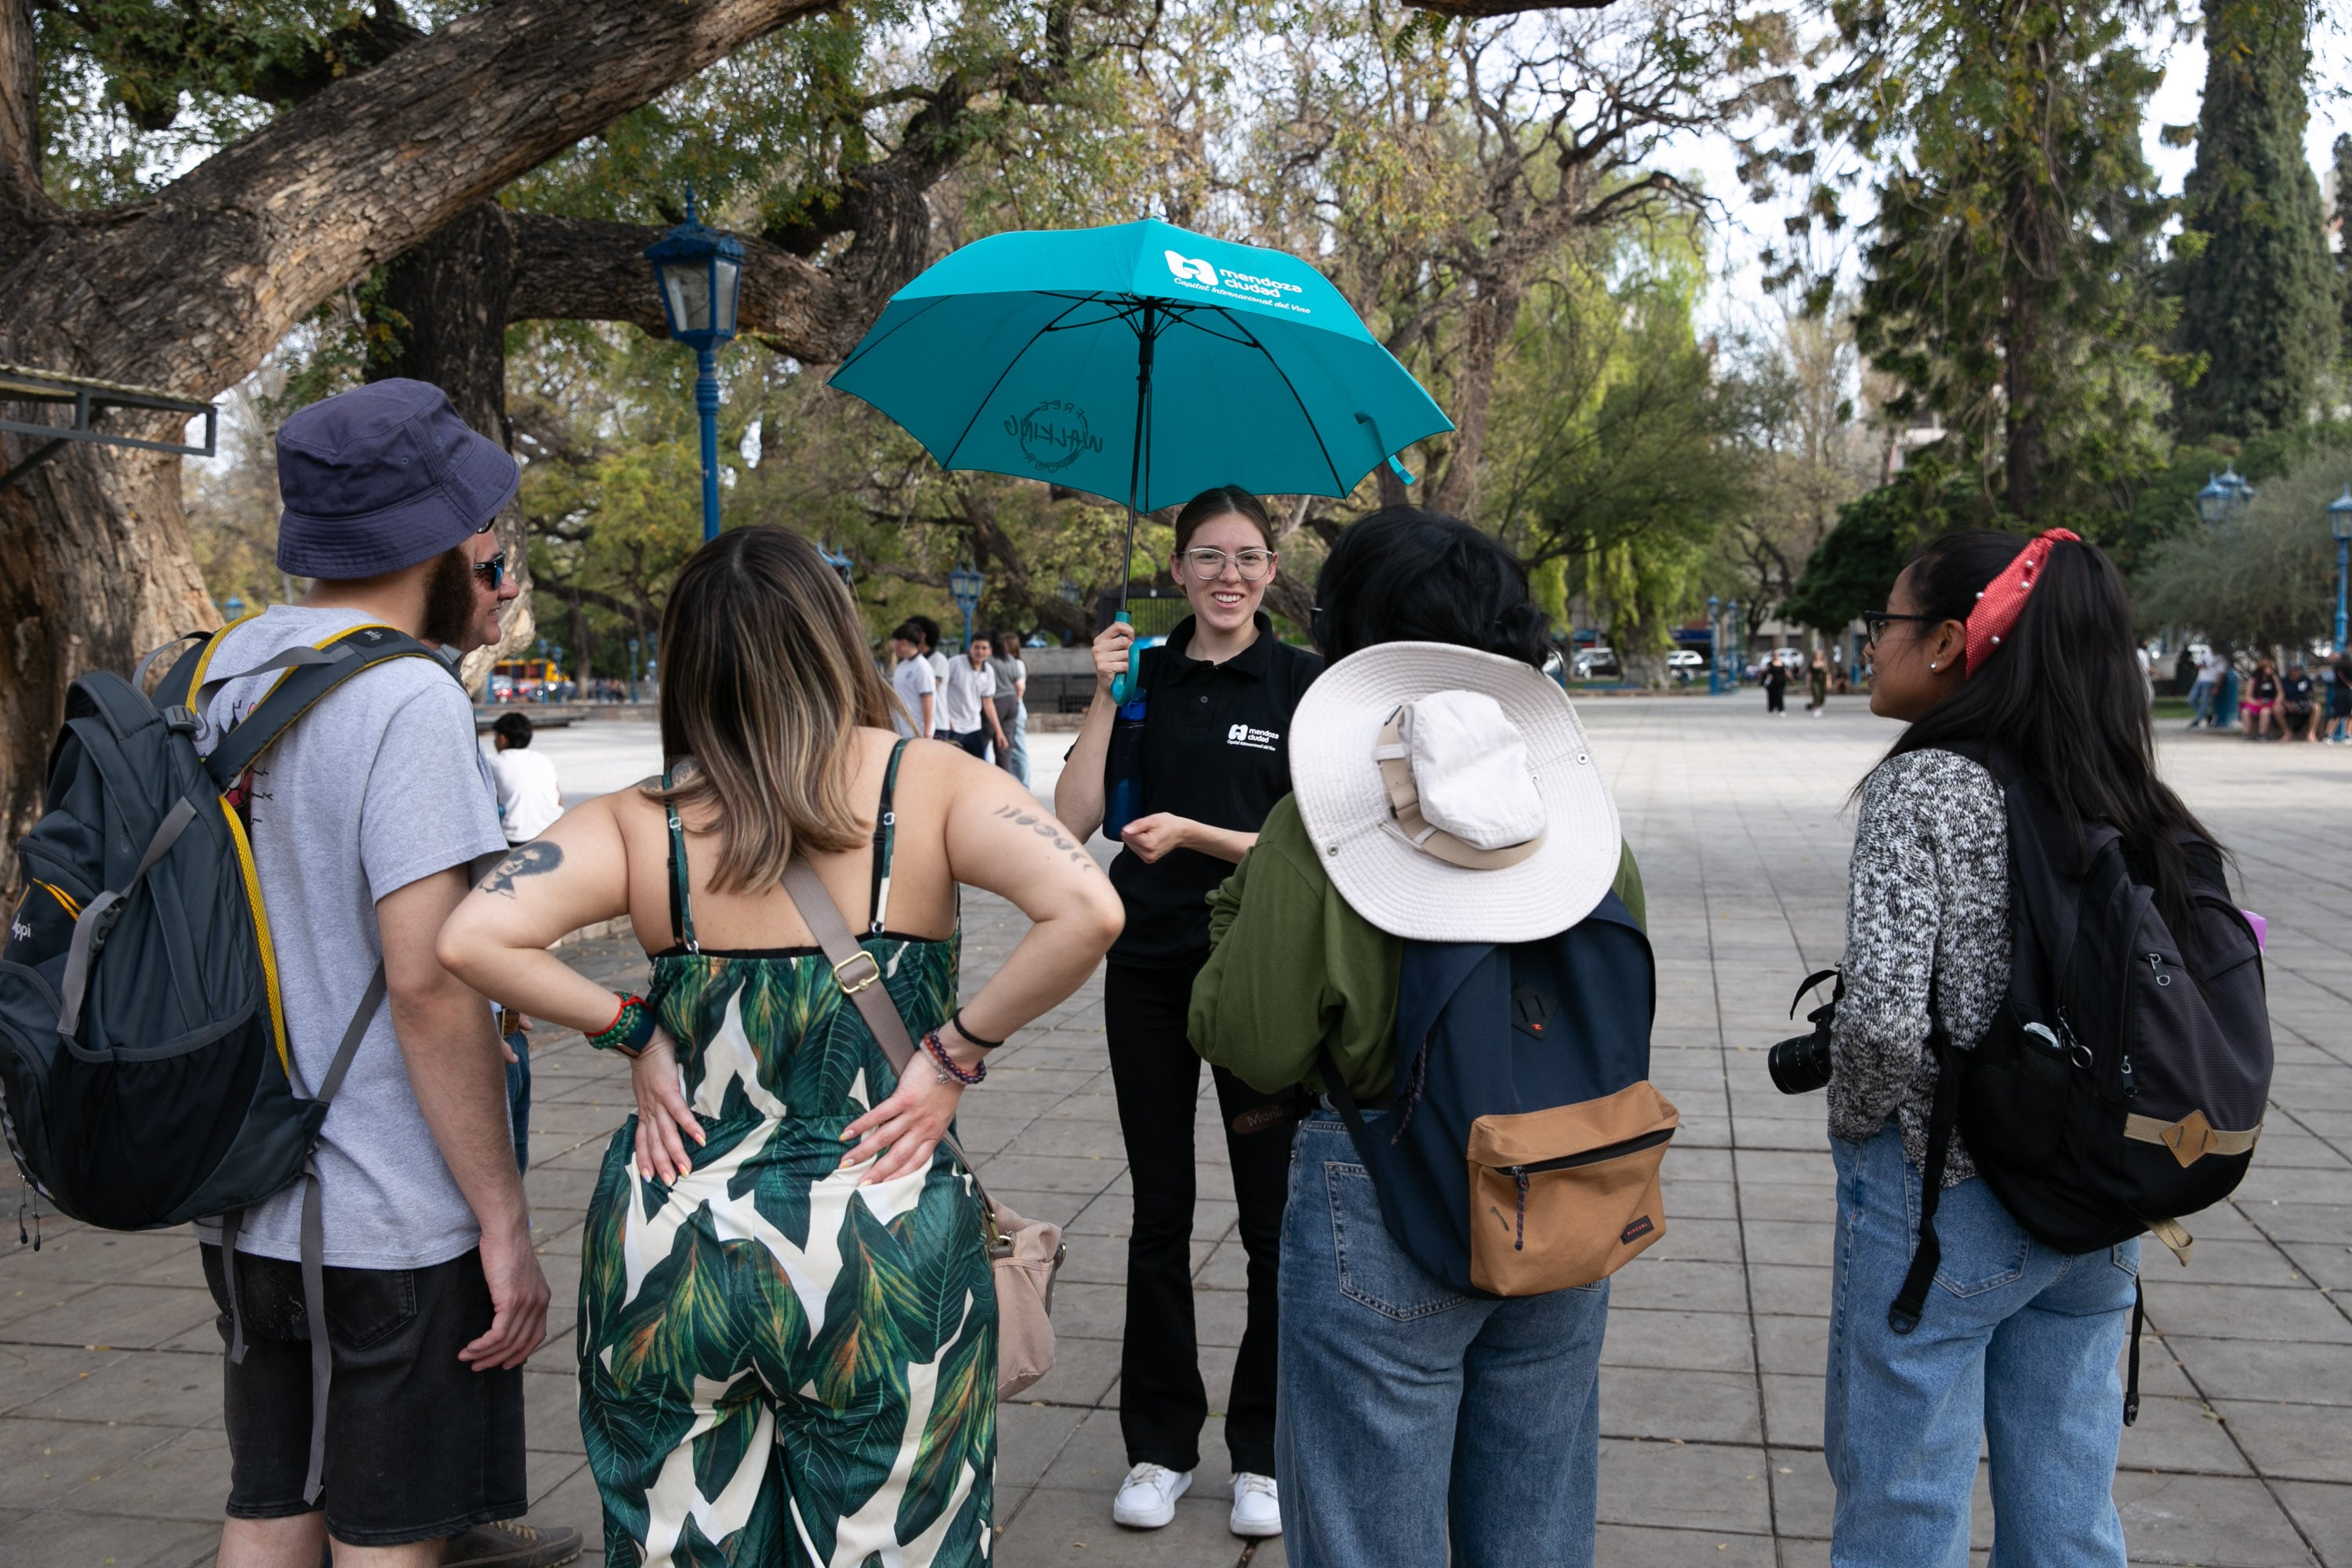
x=495 y=569
x=1877 y=621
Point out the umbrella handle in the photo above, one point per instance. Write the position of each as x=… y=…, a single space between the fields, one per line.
x=1123 y=687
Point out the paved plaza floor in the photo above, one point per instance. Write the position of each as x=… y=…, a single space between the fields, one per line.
x=111 y=1454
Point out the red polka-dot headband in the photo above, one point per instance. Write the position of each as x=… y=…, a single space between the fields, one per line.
x=1997 y=608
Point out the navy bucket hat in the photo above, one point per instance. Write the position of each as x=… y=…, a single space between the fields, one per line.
x=382 y=476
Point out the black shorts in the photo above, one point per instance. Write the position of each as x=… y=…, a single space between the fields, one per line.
x=419 y=1445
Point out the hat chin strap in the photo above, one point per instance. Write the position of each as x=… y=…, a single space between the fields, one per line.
x=1414 y=830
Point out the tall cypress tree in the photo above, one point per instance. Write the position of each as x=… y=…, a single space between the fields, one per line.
x=2343 y=237
x=2258 y=294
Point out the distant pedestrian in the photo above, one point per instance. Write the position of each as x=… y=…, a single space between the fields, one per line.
x=1011 y=713
x=1817 y=684
x=939 y=663
x=912 y=679
x=966 y=712
x=2339 y=700
x=364 y=821
x=2202 y=689
x=1776 y=686
x=529 y=798
x=2262 y=700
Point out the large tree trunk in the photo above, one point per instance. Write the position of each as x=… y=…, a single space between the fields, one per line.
x=191 y=290
x=1486 y=324
x=442 y=316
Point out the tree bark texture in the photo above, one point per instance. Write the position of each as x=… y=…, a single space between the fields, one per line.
x=189 y=290
x=443 y=311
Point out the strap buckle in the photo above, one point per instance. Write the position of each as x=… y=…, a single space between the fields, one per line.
x=852 y=988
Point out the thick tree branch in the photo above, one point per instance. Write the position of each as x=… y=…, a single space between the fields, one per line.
x=586 y=269
x=1473 y=9
x=23 y=205
x=195 y=289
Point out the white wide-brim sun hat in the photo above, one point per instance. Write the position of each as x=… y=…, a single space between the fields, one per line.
x=1499 y=765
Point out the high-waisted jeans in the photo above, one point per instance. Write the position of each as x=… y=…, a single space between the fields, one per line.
x=2017 y=1343
x=1414 y=1418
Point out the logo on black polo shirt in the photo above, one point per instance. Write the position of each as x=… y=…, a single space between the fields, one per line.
x=1256 y=739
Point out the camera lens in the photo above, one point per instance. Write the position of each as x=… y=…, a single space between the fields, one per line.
x=1801 y=1065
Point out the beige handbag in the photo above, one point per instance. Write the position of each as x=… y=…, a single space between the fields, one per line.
x=1022 y=1254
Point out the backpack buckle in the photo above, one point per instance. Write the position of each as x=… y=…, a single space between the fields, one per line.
x=182 y=719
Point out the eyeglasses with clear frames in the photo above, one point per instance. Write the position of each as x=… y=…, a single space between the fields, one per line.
x=1208 y=565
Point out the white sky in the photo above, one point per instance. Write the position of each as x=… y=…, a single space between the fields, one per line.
x=1736 y=298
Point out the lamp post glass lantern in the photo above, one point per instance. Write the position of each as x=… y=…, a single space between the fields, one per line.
x=698 y=272
x=963 y=586
x=2224 y=498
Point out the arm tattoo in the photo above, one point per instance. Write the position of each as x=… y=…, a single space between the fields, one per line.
x=1045 y=827
x=528 y=860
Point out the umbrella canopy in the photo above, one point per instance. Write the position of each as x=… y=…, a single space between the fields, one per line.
x=1142 y=363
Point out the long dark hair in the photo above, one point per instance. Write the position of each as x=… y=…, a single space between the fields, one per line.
x=1404 y=574
x=2062 y=697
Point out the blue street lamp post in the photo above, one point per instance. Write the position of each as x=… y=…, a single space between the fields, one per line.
x=963 y=586
x=1714 y=645
x=2339 y=523
x=1732 y=625
x=2225 y=499
x=698 y=271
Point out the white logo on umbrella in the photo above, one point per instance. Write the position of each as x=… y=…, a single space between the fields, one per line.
x=1189 y=271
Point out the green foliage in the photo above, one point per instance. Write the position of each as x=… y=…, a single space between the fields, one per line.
x=2267 y=581
x=2258 y=298
x=1854 y=566
x=2009 y=266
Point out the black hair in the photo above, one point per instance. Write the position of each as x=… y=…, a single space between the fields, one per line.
x=514 y=729
x=1404 y=574
x=928 y=627
x=2061 y=695
x=1222 y=501
x=908 y=632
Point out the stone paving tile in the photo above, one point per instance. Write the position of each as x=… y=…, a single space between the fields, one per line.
x=1717 y=1338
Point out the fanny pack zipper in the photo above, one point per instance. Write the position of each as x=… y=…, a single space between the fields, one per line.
x=1519 y=1174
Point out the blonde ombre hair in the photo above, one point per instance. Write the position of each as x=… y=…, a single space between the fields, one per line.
x=765 y=679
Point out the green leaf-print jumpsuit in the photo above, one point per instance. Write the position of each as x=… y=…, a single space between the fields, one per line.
x=776 y=1365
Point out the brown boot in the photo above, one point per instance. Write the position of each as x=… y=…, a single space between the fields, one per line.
x=511 y=1544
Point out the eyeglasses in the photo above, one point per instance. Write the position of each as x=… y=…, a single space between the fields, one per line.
x=495 y=569
x=1879 y=620
x=1206 y=563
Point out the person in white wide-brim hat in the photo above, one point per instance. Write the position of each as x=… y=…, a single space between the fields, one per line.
x=1442 y=791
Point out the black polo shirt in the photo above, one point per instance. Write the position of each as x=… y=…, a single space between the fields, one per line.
x=1216 y=748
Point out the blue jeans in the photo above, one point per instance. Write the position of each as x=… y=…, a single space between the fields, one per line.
x=1410 y=1417
x=2017 y=1343
x=519 y=1097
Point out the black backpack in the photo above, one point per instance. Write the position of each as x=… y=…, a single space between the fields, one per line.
x=145 y=1075
x=1522 y=1150
x=2117 y=1087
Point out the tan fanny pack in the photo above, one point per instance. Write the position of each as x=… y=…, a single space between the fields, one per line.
x=1022 y=1254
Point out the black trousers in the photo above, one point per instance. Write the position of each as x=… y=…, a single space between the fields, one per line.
x=1774 y=699
x=1162 y=1402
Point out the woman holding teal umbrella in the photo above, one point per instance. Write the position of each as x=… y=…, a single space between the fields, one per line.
x=1217 y=699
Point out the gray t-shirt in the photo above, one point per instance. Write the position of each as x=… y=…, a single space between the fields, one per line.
x=377 y=787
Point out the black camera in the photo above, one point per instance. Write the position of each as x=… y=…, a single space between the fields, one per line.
x=1801 y=1065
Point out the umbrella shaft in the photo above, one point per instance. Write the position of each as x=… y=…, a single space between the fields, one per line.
x=1138 y=467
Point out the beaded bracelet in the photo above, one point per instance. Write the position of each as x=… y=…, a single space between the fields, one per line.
x=955 y=1022
x=947 y=1063
x=631 y=1028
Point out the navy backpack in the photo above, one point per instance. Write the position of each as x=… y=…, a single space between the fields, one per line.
x=1522 y=1152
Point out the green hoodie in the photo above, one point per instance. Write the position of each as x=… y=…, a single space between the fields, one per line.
x=1292 y=967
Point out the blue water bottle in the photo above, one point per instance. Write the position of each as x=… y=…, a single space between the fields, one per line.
x=1123 y=769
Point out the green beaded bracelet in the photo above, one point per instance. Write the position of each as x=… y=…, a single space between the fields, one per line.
x=631 y=1030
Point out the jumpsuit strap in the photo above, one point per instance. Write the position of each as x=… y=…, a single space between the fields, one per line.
x=681 y=905
x=885 y=826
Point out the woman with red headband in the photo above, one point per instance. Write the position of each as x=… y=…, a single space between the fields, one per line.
x=1987 y=639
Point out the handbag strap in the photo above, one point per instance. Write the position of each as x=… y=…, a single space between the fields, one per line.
x=859 y=974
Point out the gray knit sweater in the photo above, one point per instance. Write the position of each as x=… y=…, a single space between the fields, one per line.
x=1929 y=895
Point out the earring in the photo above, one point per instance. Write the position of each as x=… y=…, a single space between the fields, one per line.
x=1933 y=664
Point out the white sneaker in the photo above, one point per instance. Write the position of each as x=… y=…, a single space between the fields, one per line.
x=1147 y=1499
x=1257 y=1506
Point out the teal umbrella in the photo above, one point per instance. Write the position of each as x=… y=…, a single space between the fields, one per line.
x=1142 y=363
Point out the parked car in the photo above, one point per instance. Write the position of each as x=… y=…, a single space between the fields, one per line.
x=1597 y=661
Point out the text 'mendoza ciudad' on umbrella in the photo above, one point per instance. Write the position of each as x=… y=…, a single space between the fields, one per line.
x=1141 y=363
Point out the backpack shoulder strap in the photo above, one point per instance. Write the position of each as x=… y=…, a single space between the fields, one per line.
x=311 y=673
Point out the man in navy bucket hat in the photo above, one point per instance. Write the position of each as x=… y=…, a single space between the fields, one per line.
x=364 y=819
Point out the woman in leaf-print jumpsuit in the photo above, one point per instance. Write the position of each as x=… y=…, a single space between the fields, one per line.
x=766 y=1310
x=787 y=1332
